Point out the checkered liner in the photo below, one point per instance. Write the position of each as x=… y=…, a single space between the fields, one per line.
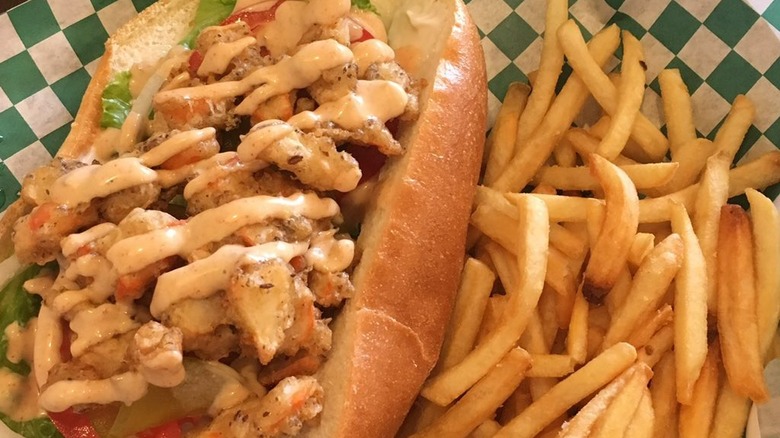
x=722 y=47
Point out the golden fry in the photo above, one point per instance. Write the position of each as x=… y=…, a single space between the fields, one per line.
x=690 y=303
x=731 y=413
x=642 y=335
x=691 y=157
x=663 y=392
x=642 y=425
x=479 y=403
x=712 y=194
x=677 y=109
x=487 y=429
x=661 y=342
x=766 y=241
x=577 y=340
x=618 y=416
x=533 y=237
x=583 y=382
x=642 y=246
x=737 y=316
x=643 y=131
x=500 y=144
x=559 y=117
x=696 y=417
x=732 y=132
x=621 y=218
x=630 y=93
x=644 y=176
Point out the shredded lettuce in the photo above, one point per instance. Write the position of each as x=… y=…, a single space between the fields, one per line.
x=16 y=305
x=117 y=101
x=210 y=12
x=364 y=5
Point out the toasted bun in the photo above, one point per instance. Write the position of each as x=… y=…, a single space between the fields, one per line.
x=387 y=338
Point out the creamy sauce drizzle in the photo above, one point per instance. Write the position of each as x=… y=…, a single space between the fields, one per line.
x=294 y=18
x=134 y=253
x=20 y=341
x=217 y=171
x=93 y=326
x=208 y=275
x=328 y=254
x=292 y=72
x=381 y=100
x=125 y=388
x=218 y=57
x=19 y=396
x=48 y=339
x=74 y=242
x=103 y=277
x=100 y=180
x=370 y=52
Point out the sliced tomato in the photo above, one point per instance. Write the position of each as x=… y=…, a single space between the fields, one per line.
x=254 y=19
x=72 y=424
x=196 y=59
x=171 y=429
x=365 y=36
x=369 y=159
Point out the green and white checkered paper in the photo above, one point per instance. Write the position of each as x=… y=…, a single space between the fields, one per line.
x=722 y=47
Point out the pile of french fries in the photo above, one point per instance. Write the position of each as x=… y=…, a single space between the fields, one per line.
x=611 y=290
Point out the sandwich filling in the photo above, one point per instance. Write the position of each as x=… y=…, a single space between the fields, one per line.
x=193 y=260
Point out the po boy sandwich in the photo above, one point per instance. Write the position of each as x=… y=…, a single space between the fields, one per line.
x=255 y=227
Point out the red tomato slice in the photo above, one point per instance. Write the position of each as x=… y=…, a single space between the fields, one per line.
x=73 y=425
x=168 y=430
x=254 y=19
x=364 y=37
x=196 y=59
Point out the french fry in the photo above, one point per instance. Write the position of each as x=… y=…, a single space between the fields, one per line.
x=487 y=429
x=564 y=153
x=533 y=237
x=617 y=295
x=583 y=382
x=479 y=403
x=648 y=288
x=420 y=416
x=642 y=246
x=563 y=208
x=696 y=417
x=560 y=116
x=618 y=416
x=551 y=365
x=621 y=218
x=490 y=320
x=475 y=287
x=732 y=132
x=691 y=157
x=577 y=340
x=500 y=144
x=642 y=424
x=548 y=315
x=630 y=93
x=711 y=195
x=647 y=135
x=544 y=189
x=766 y=242
x=731 y=413
x=642 y=334
x=582 y=423
x=690 y=303
x=661 y=342
x=663 y=392
x=567 y=242
x=516 y=403
x=533 y=341
x=737 y=317
x=546 y=78
x=678 y=110
x=644 y=176
x=558 y=275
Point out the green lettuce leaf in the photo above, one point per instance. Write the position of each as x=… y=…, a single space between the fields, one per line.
x=16 y=305
x=37 y=428
x=117 y=101
x=364 y=5
x=210 y=12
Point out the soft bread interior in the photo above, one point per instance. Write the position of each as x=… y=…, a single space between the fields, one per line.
x=387 y=337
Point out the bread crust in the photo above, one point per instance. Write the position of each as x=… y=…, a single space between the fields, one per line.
x=391 y=331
